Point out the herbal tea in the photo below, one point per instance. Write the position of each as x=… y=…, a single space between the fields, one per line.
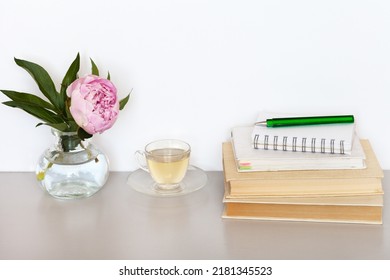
x=168 y=166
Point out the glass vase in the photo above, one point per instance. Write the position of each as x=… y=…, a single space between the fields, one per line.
x=72 y=168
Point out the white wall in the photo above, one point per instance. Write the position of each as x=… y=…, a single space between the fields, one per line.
x=198 y=68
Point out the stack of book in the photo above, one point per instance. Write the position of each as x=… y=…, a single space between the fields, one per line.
x=301 y=186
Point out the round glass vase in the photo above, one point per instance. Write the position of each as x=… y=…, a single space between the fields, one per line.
x=72 y=168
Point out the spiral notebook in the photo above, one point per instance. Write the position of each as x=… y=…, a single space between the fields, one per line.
x=250 y=159
x=325 y=138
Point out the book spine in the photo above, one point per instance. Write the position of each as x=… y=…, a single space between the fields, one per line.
x=295 y=144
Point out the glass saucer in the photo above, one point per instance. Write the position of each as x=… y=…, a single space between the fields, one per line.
x=142 y=182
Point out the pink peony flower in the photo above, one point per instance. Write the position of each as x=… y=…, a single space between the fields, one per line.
x=94 y=103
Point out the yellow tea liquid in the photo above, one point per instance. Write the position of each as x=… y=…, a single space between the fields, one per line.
x=168 y=166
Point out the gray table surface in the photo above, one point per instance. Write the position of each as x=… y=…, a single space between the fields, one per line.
x=119 y=223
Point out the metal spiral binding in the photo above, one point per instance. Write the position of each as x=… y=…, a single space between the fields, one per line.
x=313 y=148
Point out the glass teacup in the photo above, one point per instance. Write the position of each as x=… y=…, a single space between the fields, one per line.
x=167 y=162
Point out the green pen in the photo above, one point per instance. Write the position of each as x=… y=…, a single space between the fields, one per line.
x=295 y=121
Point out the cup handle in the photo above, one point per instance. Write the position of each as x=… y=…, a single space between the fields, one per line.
x=141 y=159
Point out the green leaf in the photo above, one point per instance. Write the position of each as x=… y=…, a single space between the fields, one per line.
x=70 y=77
x=38 y=112
x=65 y=127
x=83 y=134
x=108 y=76
x=72 y=125
x=67 y=110
x=123 y=102
x=43 y=80
x=31 y=99
x=59 y=126
x=95 y=70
